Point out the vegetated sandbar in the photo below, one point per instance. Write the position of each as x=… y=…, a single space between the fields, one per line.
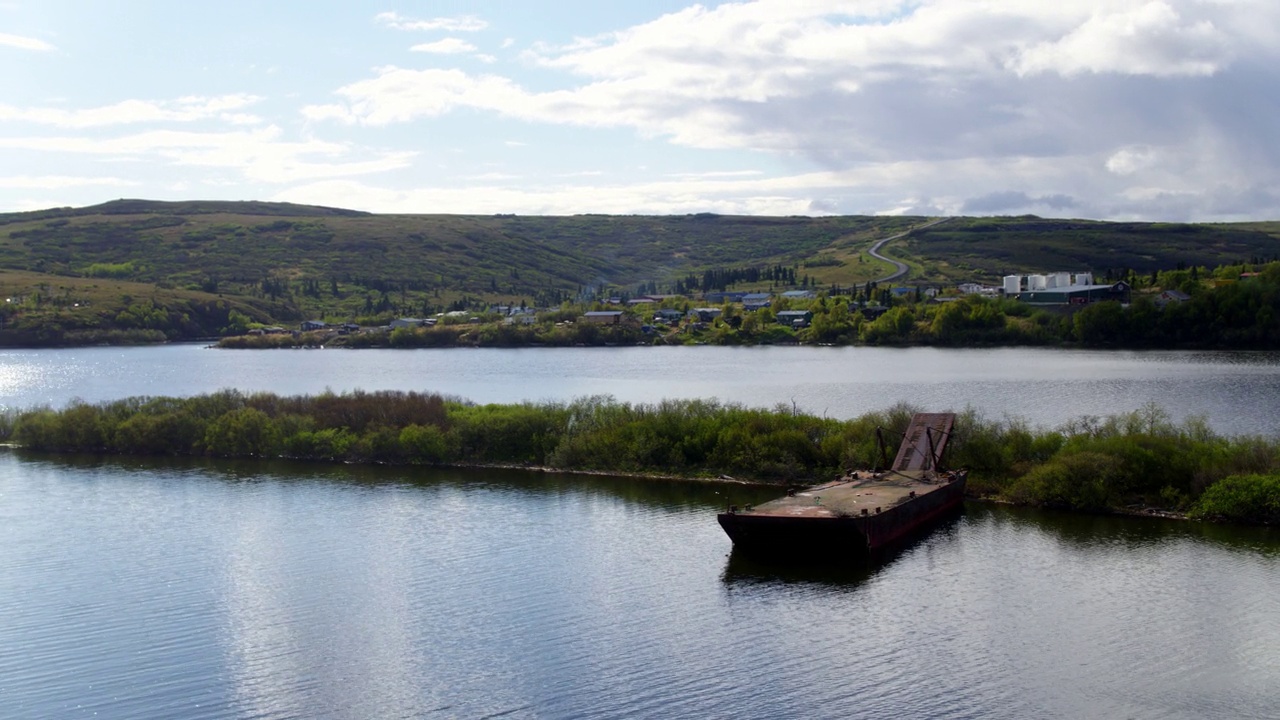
x=1138 y=460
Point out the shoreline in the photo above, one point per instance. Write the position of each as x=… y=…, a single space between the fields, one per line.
x=1131 y=512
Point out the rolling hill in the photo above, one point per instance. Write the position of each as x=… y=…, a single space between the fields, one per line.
x=100 y=267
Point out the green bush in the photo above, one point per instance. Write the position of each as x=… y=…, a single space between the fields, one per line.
x=246 y=432
x=1075 y=481
x=1241 y=498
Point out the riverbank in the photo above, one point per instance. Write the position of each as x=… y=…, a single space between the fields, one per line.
x=1138 y=459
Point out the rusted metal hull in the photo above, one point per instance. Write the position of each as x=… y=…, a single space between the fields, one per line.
x=836 y=536
x=863 y=512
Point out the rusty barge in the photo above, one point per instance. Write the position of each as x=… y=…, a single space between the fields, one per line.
x=863 y=512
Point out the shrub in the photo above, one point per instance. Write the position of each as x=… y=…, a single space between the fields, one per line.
x=1241 y=498
x=1076 y=481
x=246 y=432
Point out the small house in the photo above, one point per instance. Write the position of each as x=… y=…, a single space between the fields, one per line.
x=870 y=312
x=795 y=318
x=756 y=301
x=1171 y=296
x=604 y=317
x=312 y=325
x=799 y=295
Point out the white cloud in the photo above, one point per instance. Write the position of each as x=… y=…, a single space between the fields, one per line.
x=24 y=43
x=59 y=182
x=492 y=176
x=185 y=109
x=719 y=174
x=258 y=155
x=398 y=95
x=489 y=199
x=464 y=23
x=1082 y=100
x=447 y=46
x=1149 y=39
x=707 y=77
x=1130 y=160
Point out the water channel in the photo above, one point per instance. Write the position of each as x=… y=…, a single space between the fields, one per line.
x=1236 y=392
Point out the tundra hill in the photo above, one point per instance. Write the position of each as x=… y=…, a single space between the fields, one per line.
x=277 y=250
x=278 y=262
x=990 y=247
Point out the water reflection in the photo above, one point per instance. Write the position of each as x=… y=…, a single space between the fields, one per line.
x=1107 y=533
x=160 y=588
x=743 y=571
x=658 y=492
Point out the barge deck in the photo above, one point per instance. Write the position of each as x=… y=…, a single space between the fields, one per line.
x=862 y=511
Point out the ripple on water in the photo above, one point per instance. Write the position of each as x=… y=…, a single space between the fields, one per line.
x=152 y=592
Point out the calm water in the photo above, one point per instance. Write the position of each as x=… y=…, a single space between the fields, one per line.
x=1237 y=392
x=192 y=589
x=220 y=590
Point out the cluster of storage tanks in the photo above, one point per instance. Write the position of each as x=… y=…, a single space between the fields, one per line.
x=1014 y=284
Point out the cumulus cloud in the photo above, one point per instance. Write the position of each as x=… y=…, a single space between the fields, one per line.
x=447 y=46
x=259 y=155
x=645 y=198
x=1086 y=100
x=464 y=23
x=186 y=109
x=59 y=182
x=24 y=43
x=1129 y=160
x=1149 y=39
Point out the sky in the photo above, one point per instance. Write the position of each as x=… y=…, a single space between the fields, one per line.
x=1163 y=110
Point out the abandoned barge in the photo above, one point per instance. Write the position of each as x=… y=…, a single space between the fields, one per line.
x=863 y=512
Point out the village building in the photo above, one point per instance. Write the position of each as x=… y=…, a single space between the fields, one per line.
x=604 y=317
x=1063 y=289
x=407 y=322
x=1171 y=296
x=795 y=318
x=799 y=295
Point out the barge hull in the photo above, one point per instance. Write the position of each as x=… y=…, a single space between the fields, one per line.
x=777 y=535
x=864 y=512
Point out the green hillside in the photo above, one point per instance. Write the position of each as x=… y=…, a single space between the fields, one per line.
x=988 y=248
x=277 y=262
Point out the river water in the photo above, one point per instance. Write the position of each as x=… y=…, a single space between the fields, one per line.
x=1237 y=392
x=207 y=589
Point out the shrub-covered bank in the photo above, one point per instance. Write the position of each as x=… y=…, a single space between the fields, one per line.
x=1139 y=459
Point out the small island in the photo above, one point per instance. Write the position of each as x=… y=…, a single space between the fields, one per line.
x=1139 y=462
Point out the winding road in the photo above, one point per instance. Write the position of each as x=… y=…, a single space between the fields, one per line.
x=901 y=268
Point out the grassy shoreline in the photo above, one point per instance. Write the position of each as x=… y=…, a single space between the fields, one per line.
x=1133 y=463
